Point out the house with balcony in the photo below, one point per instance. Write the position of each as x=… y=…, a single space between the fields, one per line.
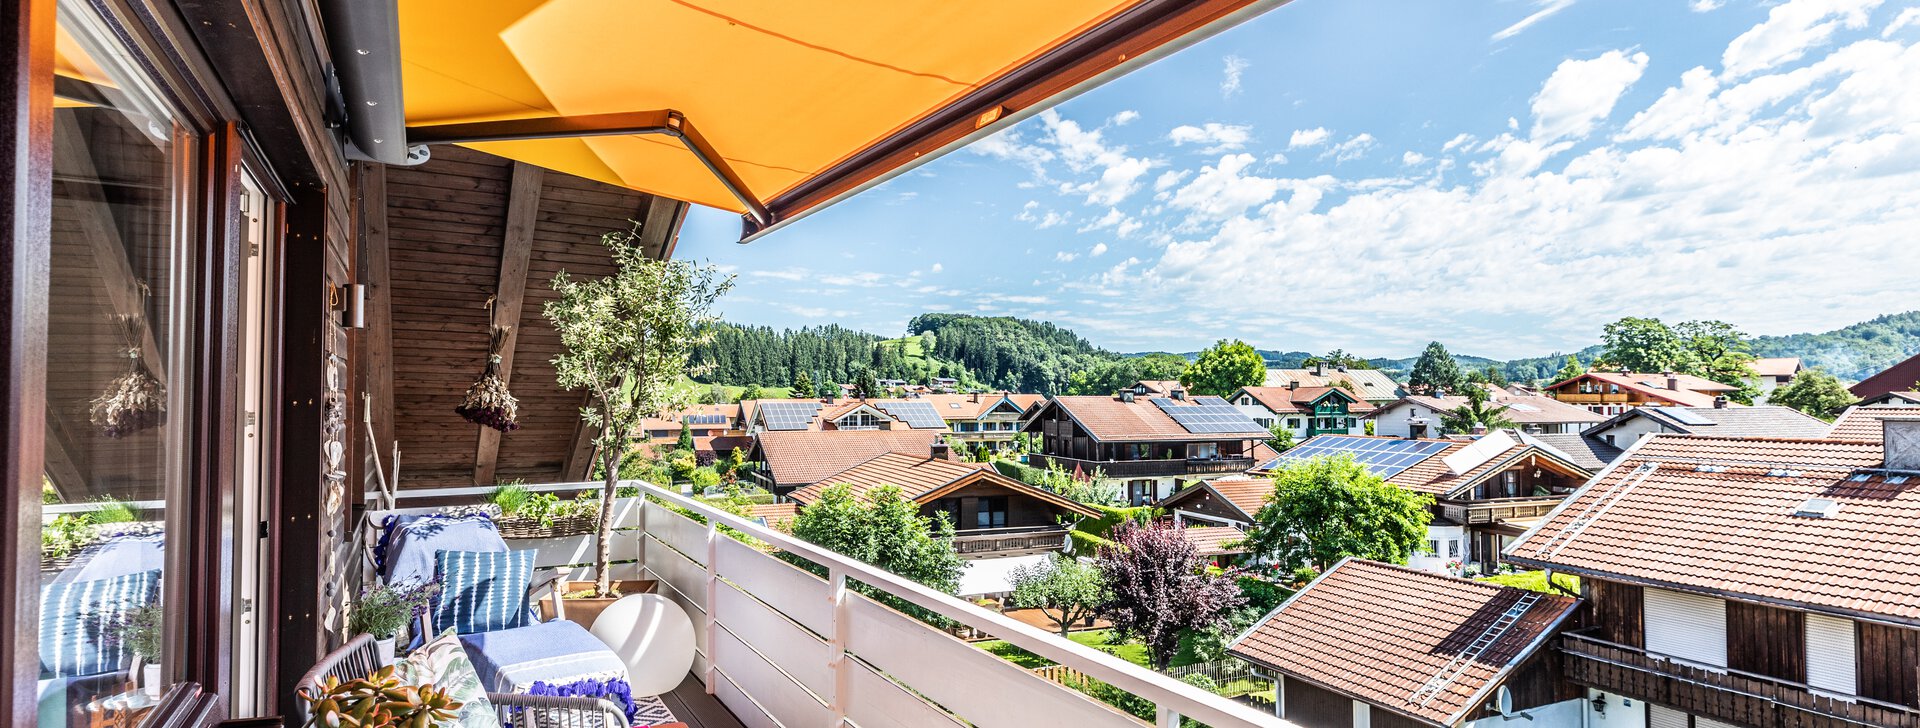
x=1720 y=420
x=1372 y=645
x=1421 y=415
x=1611 y=393
x=789 y=460
x=1774 y=372
x=1487 y=491
x=998 y=521
x=1745 y=581
x=1148 y=445
x=1229 y=501
x=1304 y=411
x=834 y=413
x=1372 y=385
x=988 y=419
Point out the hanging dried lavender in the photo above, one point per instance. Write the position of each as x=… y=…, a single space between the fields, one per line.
x=136 y=401
x=488 y=402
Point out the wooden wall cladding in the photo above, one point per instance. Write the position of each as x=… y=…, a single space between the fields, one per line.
x=448 y=230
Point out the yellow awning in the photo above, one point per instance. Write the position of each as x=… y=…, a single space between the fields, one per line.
x=805 y=101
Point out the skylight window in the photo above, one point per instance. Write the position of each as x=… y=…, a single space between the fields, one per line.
x=1817 y=508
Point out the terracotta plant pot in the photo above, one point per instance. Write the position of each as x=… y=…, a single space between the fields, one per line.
x=583 y=610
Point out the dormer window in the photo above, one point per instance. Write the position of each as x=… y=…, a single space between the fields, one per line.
x=861 y=420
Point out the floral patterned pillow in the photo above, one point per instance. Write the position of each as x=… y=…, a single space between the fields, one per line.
x=443 y=664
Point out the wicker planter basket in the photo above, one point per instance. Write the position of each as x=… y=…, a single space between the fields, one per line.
x=517 y=527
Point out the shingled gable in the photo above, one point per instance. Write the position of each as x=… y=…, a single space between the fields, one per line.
x=924 y=479
x=1378 y=633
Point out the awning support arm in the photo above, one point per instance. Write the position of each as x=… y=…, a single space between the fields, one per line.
x=664 y=121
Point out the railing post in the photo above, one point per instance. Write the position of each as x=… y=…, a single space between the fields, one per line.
x=840 y=664
x=713 y=595
x=640 y=565
x=1166 y=718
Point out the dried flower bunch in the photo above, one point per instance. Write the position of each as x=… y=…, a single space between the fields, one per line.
x=380 y=700
x=488 y=402
x=136 y=401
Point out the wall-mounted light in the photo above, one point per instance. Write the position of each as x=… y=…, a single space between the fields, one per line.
x=1600 y=705
x=351 y=301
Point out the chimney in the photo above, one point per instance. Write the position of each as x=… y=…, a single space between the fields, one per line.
x=940 y=450
x=1673 y=381
x=1293 y=384
x=1179 y=393
x=1720 y=402
x=1320 y=368
x=1126 y=395
x=975 y=397
x=1901 y=440
x=1341 y=368
x=1479 y=429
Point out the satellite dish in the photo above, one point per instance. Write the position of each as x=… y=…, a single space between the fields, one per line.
x=1503 y=701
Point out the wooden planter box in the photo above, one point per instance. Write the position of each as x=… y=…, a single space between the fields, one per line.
x=583 y=610
x=516 y=527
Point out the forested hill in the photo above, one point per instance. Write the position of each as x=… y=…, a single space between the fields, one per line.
x=1853 y=352
x=993 y=352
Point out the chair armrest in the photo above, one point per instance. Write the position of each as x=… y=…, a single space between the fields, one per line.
x=556 y=710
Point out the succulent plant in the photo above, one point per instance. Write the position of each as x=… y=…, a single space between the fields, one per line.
x=380 y=700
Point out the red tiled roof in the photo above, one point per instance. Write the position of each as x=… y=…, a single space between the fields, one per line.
x=774 y=513
x=1379 y=633
x=922 y=478
x=1692 y=392
x=1779 y=366
x=1897 y=378
x=671 y=421
x=973 y=407
x=1863 y=423
x=1524 y=410
x=1215 y=540
x=1245 y=494
x=1433 y=477
x=804 y=457
x=1284 y=400
x=1717 y=515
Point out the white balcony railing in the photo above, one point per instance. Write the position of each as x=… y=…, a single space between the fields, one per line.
x=780 y=646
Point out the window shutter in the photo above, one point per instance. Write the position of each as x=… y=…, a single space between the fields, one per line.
x=1685 y=626
x=1831 y=654
x=1362 y=715
x=1660 y=716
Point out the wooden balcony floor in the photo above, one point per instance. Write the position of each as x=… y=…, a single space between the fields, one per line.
x=693 y=706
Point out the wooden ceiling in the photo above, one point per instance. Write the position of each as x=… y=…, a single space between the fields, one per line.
x=456 y=231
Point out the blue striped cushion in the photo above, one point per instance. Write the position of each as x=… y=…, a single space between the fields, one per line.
x=77 y=621
x=482 y=591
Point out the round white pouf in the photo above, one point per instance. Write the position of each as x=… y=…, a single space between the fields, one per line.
x=653 y=636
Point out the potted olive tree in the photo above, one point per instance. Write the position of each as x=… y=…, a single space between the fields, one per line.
x=628 y=339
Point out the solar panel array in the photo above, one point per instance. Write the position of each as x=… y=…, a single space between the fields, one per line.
x=1210 y=401
x=917 y=415
x=1382 y=456
x=706 y=419
x=788 y=415
x=1204 y=419
x=1683 y=415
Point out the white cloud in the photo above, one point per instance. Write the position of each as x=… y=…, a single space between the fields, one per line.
x=1543 y=10
x=1458 y=140
x=1170 y=178
x=1218 y=137
x=1121 y=223
x=937 y=268
x=1066 y=257
x=1123 y=118
x=1223 y=191
x=1705 y=6
x=1098 y=250
x=1908 y=17
x=1276 y=158
x=1308 y=137
x=1720 y=187
x=1041 y=220
x=1230 y=76
x=1115 y=175
x=1413 y=159
x=1580 y=94
x=1790 y=30
x=1353 y=148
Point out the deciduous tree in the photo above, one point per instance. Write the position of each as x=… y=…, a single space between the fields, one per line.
x=1158 y=588
x=1324 y=509
x=1814 y=392
x=1063 y=588
x=1643 y=345
x=1479 y=410
x=883 y=528
x=1223 y=368
x=1571 y=369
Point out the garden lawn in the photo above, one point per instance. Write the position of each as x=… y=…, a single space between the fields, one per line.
x=1535 y=581
x=1133 y=652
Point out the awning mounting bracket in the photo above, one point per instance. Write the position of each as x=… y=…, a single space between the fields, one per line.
x=664 y=121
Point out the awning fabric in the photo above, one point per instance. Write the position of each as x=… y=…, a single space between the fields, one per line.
x=981 y=577
x=783 y=91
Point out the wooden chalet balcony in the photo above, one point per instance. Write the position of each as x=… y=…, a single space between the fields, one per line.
x=1498 y=509
x=1719 y=693
x=780 y=645
x=1591 y=398
x=1008 y=541
x=1147 y=468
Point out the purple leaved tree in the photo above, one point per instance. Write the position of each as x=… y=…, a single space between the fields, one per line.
x=1158 y=588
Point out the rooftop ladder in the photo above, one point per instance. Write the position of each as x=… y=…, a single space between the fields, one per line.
x=1595 y=508
x=1448 y=672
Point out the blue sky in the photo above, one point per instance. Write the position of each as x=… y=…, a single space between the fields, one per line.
x=1503 y=176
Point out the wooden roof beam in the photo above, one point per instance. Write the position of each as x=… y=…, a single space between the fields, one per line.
x=523 y=212
x=125 y=291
